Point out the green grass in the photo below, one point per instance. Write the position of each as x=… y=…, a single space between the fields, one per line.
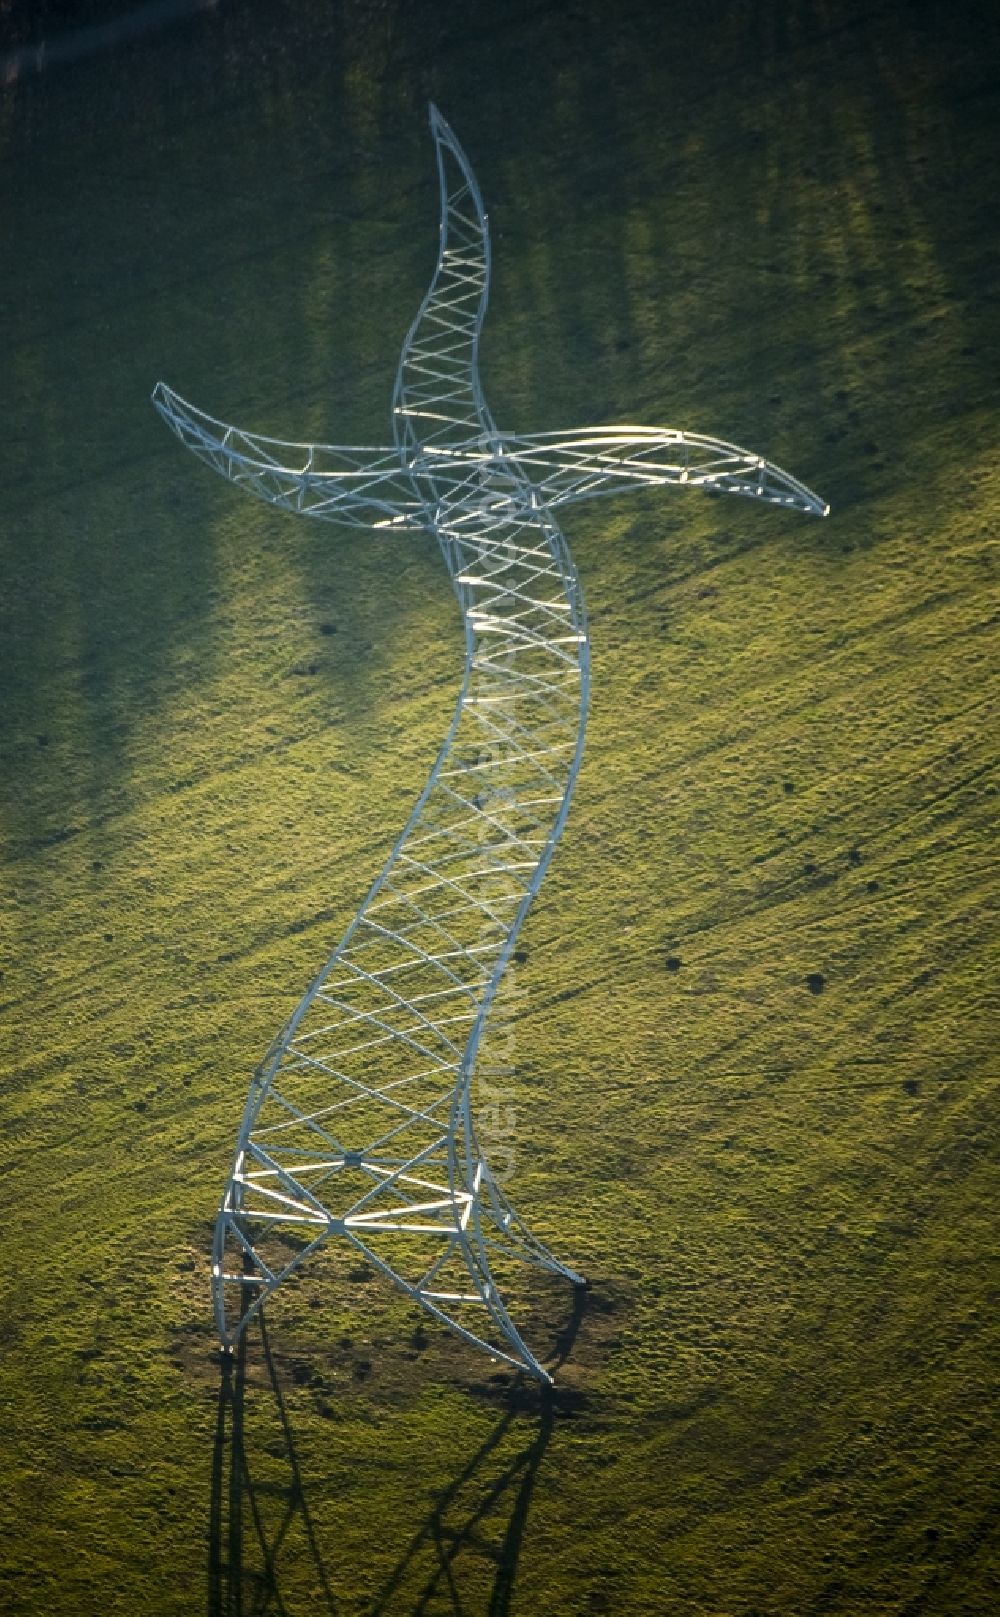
x=777 y=226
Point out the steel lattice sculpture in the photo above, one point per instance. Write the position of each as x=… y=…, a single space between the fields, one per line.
x=359 y=1122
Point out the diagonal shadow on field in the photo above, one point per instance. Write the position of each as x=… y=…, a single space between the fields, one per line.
x=251 y=1516
x=470 y=1542
x=430 y=1574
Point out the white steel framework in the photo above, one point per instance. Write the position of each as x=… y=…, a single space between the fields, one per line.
x=360 y=1122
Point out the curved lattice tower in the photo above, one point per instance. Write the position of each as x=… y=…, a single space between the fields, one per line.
x=359 y=1123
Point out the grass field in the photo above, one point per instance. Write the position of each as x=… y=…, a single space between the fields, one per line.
x=776 y=1160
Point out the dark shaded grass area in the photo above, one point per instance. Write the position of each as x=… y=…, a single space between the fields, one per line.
x=755 y=1091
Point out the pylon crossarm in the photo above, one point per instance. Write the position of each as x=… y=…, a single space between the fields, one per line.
x=438 y=399
x=358 y=487
x=592 y=461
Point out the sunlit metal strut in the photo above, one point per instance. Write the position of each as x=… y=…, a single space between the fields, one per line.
x=361 y=1122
